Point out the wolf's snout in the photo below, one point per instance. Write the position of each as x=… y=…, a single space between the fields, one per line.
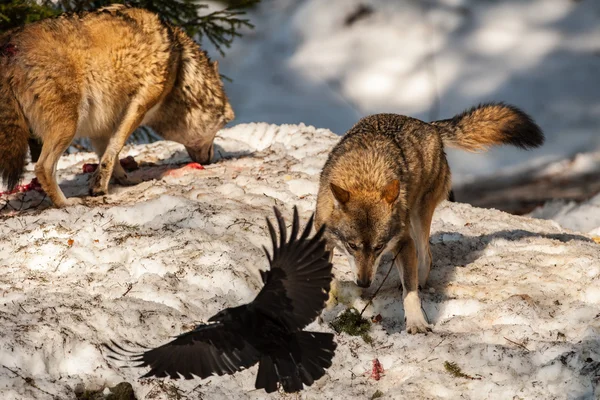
x=363 y=283
x=201 y=155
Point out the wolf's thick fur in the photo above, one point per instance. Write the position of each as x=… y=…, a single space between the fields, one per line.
x=101 y=75
x=383 y=180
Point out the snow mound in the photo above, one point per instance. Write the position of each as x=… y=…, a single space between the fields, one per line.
x=515 y=301
x=583 y=217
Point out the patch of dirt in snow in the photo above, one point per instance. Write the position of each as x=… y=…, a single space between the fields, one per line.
x=514 y=301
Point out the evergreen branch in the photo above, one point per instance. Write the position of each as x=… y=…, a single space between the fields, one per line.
x=221 y=27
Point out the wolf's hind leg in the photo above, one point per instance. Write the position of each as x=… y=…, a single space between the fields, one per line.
x=56 y=140
x=14 y=134
x=420 y=221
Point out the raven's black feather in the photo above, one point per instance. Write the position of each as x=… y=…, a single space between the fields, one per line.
x=298 y=282
x=268 y=330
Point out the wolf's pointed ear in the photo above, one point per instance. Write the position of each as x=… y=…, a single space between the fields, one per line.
x=341 y=195
x=215 y=66
x=391 y=191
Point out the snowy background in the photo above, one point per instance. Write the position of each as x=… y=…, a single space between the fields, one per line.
x=324 y=63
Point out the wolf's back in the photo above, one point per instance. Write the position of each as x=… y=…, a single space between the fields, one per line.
x=490 y=124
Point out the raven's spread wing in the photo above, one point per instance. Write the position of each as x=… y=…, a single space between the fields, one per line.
x=207 y=350
x=297 y=284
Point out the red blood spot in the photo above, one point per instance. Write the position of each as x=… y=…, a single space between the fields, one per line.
x=179 y=172
x=89 y=168
x=128 y=163
x=194 y=165
x=33 y=185
x=377 y=370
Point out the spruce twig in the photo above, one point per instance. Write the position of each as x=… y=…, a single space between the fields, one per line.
x=455 y=371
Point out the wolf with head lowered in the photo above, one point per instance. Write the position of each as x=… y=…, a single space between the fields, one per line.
x=383 y=180
x=100 y=75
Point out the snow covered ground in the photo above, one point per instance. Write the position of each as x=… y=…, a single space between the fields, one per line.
x=584 y=217
x=327 y=64
x=515 y=301
x=561 y=187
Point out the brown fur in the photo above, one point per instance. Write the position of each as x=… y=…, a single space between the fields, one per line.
x=14 y=134
x=101 y=75
x=383 y=180
x=490 y=124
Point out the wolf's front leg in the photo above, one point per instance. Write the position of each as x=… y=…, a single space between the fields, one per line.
x=120 y=176
x=407 y=265
x=133 y=118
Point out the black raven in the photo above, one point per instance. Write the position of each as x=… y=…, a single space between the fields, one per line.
x=268 y=330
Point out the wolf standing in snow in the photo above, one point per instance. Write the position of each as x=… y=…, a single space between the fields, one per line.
x=101 y=75
x=383 y=180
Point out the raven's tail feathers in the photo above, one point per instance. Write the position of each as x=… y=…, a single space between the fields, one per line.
x=318 y=350
x=303 y=365
x=267 y=375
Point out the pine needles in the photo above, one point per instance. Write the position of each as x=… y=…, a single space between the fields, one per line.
x=352 y=323
x=219 y=27
x=454 y=370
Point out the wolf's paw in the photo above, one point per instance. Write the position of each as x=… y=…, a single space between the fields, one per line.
x=97 y=186
x=413 y=327
x=128 y=180
x=73 y=201
x=99 y=181
x=415 y=319
x=98 y=191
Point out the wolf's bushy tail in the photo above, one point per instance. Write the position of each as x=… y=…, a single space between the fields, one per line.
x=304 y=364
x=490 y=124
x=14 y=135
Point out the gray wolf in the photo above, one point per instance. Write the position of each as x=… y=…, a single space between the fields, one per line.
x=101 y=75
x=383 y=180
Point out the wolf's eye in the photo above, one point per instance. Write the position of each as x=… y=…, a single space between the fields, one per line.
x=353 y=246
x=378 y=247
